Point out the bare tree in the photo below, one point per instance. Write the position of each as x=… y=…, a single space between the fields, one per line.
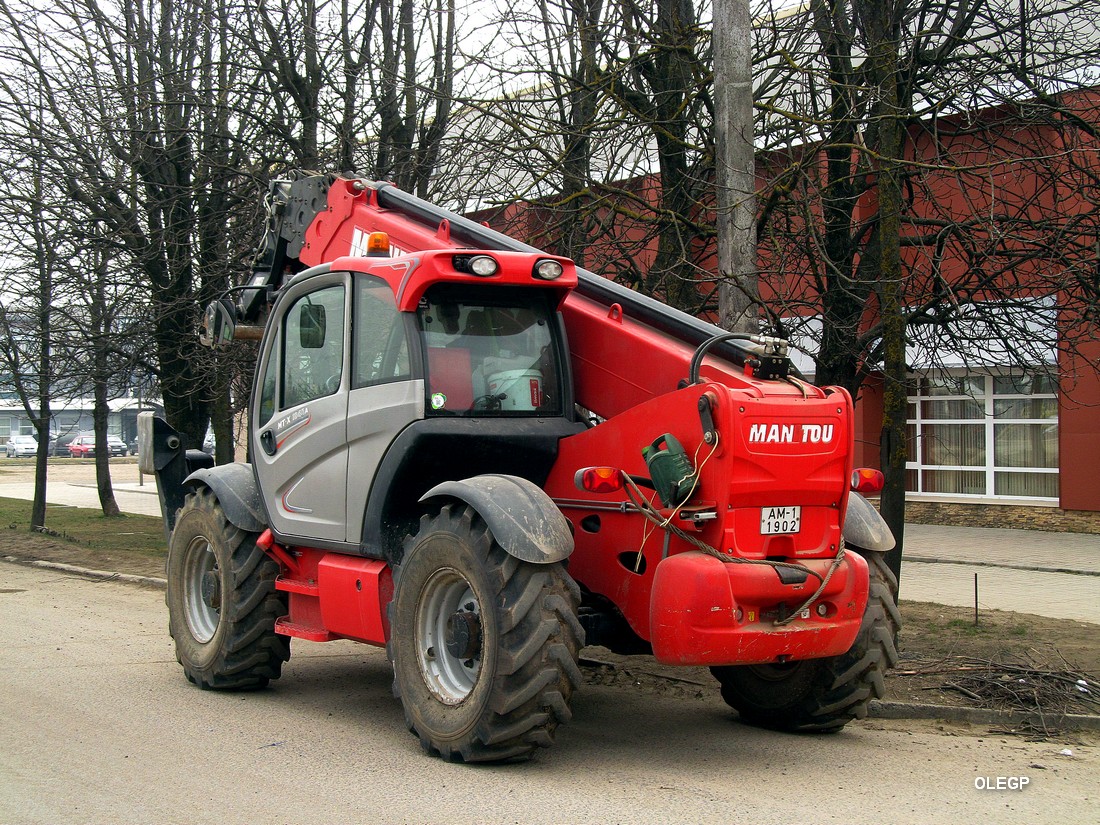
x=39 y=242
x=889 y=125
x=26 y=320
x=355 y=84
x=140 y=116
x=602 y=126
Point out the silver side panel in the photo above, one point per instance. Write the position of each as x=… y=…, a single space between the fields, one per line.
x=304 y=469
x=303 y=479
x=375 y=416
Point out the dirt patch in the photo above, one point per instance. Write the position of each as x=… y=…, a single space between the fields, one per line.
x=21 y=544
x=81 y=470
x=1008 y=661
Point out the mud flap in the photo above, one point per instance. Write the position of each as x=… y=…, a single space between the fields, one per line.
x=522 y=517
x=864 y=527
x=234 y=486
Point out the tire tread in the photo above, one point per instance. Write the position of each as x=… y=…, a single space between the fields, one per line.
x=249 y=653
x=540 y=638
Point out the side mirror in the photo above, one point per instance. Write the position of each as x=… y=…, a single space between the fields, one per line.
x=218 y=324
x=311 y=323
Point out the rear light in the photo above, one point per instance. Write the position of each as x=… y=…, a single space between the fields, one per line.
x=865 y=480
x=378 y=245
x=599 y=479
x=548 y=270
x=483 y=266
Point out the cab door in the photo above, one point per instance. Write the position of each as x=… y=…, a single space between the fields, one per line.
x=300 y=450
x=384 y=397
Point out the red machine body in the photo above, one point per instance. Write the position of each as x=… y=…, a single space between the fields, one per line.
x=772 y=445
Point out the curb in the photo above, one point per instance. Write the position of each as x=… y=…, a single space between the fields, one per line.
x=1073 y=571
x=124 y=487
x=884 y=709
x=99 y=575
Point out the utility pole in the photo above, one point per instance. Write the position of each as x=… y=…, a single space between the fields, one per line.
x=735 y=166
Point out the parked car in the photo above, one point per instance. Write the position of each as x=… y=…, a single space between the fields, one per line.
x=20 y=446
x=59 y=445
x=83 y=446
x=117 y=445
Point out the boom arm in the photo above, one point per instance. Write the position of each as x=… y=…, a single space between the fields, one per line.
x=626 y=347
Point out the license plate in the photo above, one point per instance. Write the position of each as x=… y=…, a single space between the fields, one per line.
x=777 y=520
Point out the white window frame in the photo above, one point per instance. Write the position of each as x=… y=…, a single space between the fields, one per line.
x=989 y=422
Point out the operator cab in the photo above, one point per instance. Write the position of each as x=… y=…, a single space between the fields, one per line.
x=381 y=378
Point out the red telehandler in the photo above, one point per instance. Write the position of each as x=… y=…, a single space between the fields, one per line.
x=483 y=458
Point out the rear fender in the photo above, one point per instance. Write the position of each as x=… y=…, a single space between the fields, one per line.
x=864 y=527
x=523 y=518
x=234 y=485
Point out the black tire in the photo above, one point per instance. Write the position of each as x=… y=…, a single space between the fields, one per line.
x=823 y=694
x=484 y=647
x=222 y=601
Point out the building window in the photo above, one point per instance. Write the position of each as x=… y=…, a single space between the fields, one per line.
x=987 y=436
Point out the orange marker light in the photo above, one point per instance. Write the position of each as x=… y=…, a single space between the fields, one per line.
x=865 y=480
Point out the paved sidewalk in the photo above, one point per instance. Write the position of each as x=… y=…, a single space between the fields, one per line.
x=1026 y=549
x=132 y=497
x=1029 y=571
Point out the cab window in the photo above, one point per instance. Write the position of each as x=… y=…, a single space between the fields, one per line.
x=267 y=389
x=313 y=346
x=490 y=355
x=381 y=348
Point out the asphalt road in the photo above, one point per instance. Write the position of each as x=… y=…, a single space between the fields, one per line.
x=100 y=727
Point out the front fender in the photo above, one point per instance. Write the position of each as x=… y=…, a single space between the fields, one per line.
x=234 y=485
x=864 y=527
x=523 y=518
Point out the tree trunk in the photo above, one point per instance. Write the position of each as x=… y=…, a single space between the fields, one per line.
x=883 y=56
x=100 y=318
x=103 y=453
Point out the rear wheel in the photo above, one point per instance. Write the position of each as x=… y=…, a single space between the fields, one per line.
x=484 y=646
x=222 y=602
x=823 y=694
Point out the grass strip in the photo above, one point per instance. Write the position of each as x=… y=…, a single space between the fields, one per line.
x=89 y=528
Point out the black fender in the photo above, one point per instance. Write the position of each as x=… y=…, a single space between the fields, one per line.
x=864 y=527
x=235 y=487
x=523 y=518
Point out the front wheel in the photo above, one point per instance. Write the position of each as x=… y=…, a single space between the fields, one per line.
x=823 y=694
x=484 y=646
x=222 y=601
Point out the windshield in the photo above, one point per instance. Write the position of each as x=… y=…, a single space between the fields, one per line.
x=490 y=356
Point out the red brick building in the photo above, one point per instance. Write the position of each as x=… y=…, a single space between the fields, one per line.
x=1006 y=211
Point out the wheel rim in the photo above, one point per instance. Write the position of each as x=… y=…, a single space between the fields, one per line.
x=448 y=607
x=201 y=590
